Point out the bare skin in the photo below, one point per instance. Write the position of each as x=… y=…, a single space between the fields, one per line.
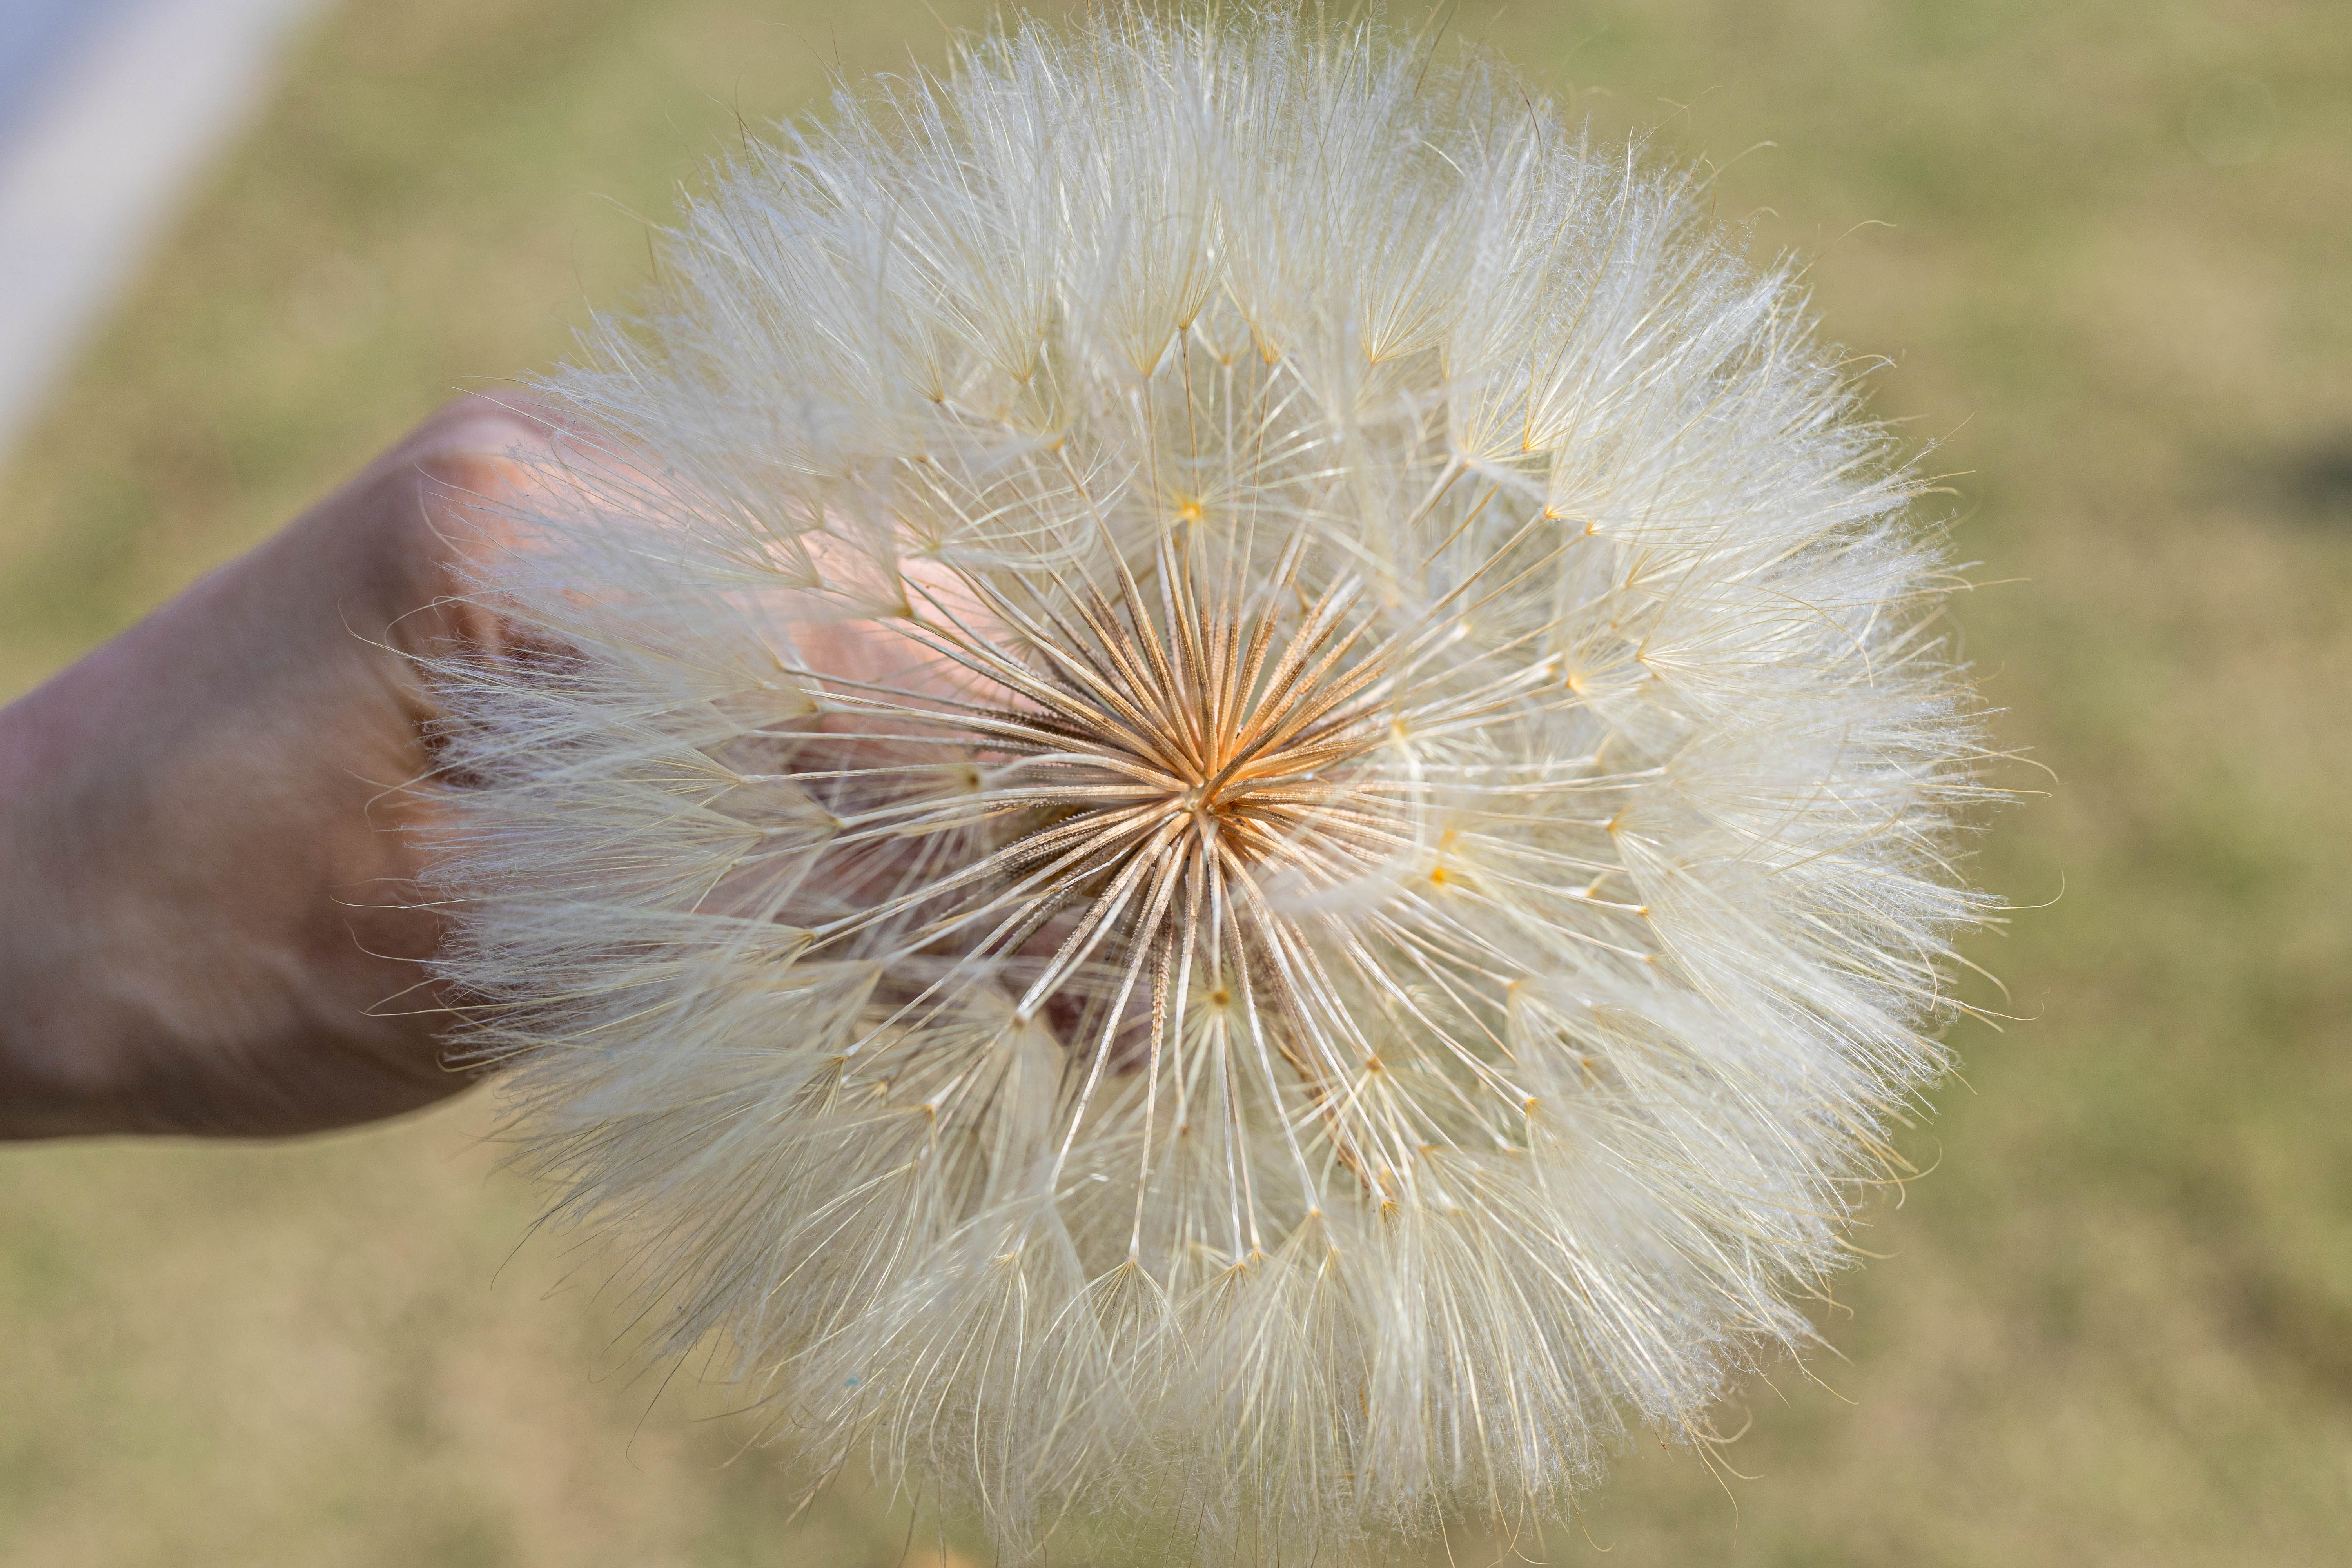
x=211 y=828
x=207 y=855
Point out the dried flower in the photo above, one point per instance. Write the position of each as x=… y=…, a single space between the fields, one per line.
x=1245 y=807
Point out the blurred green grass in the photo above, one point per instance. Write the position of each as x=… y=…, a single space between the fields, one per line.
x=2113 y=1324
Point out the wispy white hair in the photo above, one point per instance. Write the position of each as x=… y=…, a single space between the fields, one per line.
x=1237 y=791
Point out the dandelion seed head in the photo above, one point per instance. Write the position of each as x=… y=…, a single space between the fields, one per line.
x=1250 y=808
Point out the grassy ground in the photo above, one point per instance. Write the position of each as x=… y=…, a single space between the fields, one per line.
x=2114 y=1325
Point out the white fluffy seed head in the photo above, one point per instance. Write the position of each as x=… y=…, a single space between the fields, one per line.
x=1241 y=801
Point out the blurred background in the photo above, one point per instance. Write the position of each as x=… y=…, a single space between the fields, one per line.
x=2107 y=246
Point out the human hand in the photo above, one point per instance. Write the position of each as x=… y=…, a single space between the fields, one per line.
x=208 y=831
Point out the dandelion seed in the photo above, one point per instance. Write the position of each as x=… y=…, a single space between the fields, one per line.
x=1251 y=807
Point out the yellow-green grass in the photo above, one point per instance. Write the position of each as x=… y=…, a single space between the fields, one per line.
x=2113 y=1323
